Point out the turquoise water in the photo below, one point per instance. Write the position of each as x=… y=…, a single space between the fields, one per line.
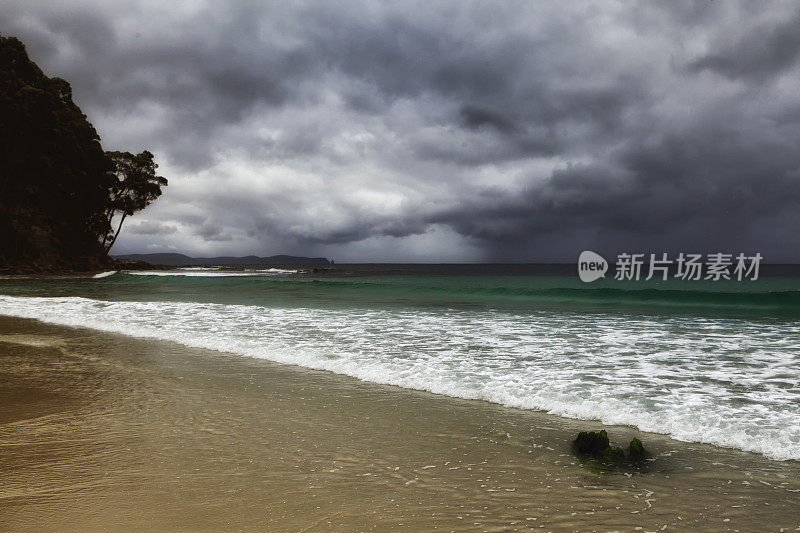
x=764 y=298
x=700 y=361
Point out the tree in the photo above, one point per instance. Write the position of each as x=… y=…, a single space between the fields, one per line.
x=136 y=186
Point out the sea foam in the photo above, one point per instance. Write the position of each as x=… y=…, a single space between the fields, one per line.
x=214 y=272
x=726 y=382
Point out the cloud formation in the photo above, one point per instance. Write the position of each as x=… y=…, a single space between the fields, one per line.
x=460 y=131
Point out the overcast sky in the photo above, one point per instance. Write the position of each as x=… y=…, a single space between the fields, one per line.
x=442 y=131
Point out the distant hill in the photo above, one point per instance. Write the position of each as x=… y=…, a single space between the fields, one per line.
x=250 y=260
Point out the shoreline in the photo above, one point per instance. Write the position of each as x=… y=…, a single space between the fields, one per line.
x=35 y=271
x=183 y=328
x=105 y=431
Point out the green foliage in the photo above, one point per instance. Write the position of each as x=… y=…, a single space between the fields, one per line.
x=136 y=186
x=57 y=185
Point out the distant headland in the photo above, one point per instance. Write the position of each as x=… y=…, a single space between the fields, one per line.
x=175 y=259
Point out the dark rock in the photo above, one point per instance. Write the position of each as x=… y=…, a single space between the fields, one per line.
x=612 y=455
x=636 y=450
x=131 y=264
x=591 y=443
x=595 y=445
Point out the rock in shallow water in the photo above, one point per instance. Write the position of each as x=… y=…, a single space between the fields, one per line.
x=591 y=443
x=636 y=451
x=596 y=445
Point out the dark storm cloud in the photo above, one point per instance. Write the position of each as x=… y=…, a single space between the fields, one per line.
x=517 y=130
x=767 y=50
x=210 y=232
x=474 y=117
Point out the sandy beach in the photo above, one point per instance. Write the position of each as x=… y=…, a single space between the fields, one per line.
x=106 y=432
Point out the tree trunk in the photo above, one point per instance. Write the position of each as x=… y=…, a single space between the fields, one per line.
x=109 y=217
x=111 y=244
x=105 y=239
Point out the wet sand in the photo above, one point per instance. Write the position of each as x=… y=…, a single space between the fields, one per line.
x=105 y=432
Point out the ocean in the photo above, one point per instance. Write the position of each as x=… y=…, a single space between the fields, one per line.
x=707 y=362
